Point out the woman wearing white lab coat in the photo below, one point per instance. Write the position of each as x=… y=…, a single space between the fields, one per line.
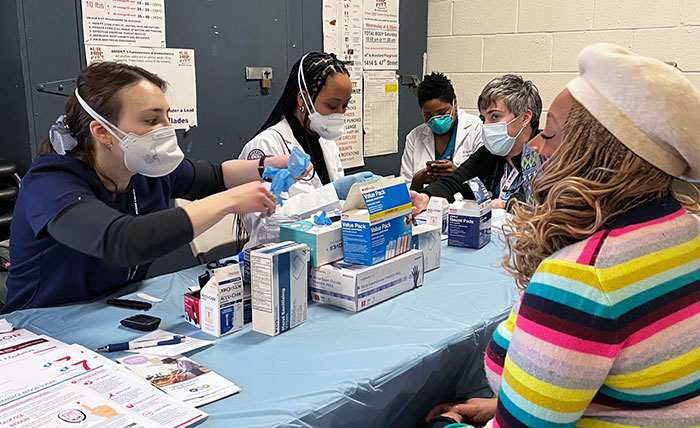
x=448 y=137
x=309 y=115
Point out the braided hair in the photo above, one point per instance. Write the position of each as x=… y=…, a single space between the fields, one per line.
x=317 y=67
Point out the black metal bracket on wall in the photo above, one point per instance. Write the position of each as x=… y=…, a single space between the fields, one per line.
x=63 y=87
x=410 y=80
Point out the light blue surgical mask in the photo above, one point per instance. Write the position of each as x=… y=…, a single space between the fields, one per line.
x=496 y=138
x=441 y=124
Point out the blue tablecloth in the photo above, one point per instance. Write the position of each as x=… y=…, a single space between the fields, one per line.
x=383 y=367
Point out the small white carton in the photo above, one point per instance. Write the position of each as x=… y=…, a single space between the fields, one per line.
x=436 y=213
x=325 y=242
x=470 y=220
x=357 y=287
x=279 y=282
x=374 y=224
x=427 y=239
x=221 y=302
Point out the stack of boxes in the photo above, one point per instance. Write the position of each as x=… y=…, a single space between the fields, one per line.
x=368 y=255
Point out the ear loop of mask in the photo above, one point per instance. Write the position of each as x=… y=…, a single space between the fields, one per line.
x=101 y=120
x=300 y=79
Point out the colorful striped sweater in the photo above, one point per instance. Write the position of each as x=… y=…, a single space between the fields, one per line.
x=607 y=334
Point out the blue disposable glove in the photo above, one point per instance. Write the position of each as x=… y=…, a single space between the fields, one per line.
x=298 y=161
x=283 y=179
x=343 y=184
x=322 y=219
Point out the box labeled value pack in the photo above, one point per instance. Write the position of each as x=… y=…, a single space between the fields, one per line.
x=357 y=287
x=221 y=301
x=279 y=282
x=374 y=224
x=427 y=238
x=470 y=220
x=325 y=242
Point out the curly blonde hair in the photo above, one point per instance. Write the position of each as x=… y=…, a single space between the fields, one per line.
x=590 y=179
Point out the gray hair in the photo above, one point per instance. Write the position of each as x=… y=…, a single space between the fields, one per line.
x=518 y=95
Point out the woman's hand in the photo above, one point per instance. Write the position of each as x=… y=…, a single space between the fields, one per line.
x=280 y=162
x=441 y=409
x=475 y=411
x=420 y=179
x=419 y=201
x=252 y=197
x=441 y=168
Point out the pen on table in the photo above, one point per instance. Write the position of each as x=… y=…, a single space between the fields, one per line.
x=140 y=344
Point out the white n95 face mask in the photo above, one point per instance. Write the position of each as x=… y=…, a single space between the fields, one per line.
x=329 y=126
x=496 y=139
x=153 y=154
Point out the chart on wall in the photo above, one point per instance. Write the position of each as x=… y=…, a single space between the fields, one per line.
x=381 y=35
x=133 y=31
x=176 y=66
x=381 y=112
x=124 y=22
x=365 y=34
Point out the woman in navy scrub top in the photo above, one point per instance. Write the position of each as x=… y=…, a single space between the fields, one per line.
x=92 y=212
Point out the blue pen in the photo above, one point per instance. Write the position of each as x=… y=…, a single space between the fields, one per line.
x=140 y=344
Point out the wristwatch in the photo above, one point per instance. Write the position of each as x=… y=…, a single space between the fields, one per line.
x=261 y=167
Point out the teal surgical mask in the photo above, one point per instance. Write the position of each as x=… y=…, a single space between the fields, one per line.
x=441 y=124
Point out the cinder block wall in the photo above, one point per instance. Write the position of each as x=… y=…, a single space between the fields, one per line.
x=473 y=41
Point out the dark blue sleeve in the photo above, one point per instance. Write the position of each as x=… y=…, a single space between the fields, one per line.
x=181 y=179
x=48 y=191
x=196 y=179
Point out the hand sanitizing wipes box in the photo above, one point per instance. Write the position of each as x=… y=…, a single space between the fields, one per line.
x=357 y=287
x=325 y=242
x=221 y=301
x=427 y=239
x=470 y=220
x=279 y=282
x=374 y=223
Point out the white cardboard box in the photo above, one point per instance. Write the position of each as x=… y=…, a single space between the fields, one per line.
x=427 y=238
x=325 y=242
x=221 y=302
x=357 y=287
x=279 y=282
x=436 y=213
x=374 y=227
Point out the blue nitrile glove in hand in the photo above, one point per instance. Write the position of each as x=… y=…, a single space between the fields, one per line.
x=343 y=184
x=298 y=162
x=322 y=219
x=283 y=179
